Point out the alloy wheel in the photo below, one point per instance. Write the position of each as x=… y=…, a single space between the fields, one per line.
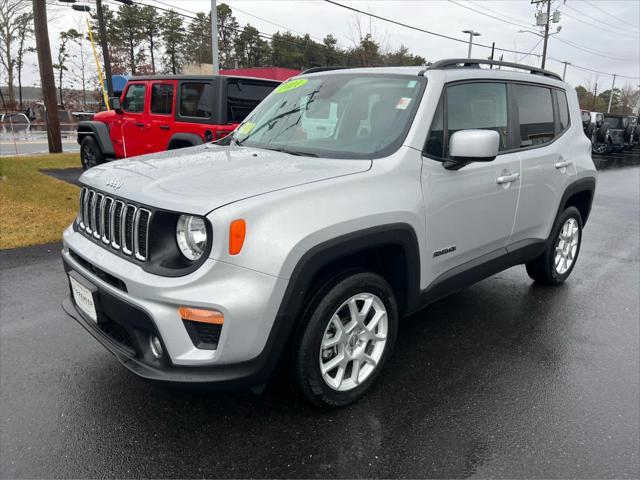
x=353 y=342
x=566 y=246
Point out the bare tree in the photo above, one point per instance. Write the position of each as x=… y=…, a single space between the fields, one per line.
x=25 y=34
x=64 y=55
x=11 y=12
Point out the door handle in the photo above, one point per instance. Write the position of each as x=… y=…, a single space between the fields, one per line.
x=512 y=177
x=139 y=124
x=563 y=163
x=164 y=127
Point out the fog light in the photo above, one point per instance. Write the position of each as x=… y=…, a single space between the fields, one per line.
x=156 y=346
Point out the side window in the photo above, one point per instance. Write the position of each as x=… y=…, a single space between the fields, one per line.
x=196 y=100
x=563 y=110
x=468 y=106
x=535 y=111
x=243 y=96
x=134 y=98
x=162 y=98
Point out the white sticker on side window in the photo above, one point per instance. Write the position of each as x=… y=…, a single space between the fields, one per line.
x=403 y=103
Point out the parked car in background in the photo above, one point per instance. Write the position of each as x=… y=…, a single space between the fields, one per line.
x=629 y=134
x=588 y=127
x=600 y=142
x=169 y=112
x=636 y=131
x=14 y=118
x=616 y=133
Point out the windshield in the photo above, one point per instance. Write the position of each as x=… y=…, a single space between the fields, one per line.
x=335 y=116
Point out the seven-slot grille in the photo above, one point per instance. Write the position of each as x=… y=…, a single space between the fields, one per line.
x=121 y=225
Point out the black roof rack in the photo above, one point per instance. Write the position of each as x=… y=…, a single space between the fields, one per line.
x=476 y=62
x=322 y=69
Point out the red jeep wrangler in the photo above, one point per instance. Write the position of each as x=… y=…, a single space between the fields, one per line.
x=168 y=112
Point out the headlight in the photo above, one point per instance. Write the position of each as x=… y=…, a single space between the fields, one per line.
x=191 y=235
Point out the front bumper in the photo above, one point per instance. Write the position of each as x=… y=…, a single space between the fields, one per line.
x=144 y=304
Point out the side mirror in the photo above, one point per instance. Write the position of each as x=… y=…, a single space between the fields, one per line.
x=466 y=146
x=114 y=102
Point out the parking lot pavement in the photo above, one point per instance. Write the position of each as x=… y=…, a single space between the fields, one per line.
x=505 y=379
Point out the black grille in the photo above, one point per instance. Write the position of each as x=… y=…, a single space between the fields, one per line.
x=110 y=221
x=203 y=335
x=127 y=241
x=98 y=272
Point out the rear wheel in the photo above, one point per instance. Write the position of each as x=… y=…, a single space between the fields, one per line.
x=90 y=153
x=351 y=327
x=556 y=263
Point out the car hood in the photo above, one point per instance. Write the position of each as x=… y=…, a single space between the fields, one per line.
x=199 y=179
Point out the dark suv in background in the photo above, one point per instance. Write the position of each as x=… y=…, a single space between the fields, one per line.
x=168 y=112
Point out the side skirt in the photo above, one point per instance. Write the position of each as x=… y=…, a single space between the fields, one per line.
x=478 y=269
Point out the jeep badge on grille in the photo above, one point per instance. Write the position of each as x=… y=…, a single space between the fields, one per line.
x=115 y=183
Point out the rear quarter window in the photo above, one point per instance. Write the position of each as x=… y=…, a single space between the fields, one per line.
x=535 y=114
x=243 y=96
x=563 y=110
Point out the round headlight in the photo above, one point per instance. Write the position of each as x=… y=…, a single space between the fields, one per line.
x=191 y=235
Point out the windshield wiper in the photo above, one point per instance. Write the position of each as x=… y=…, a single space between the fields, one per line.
x=292 y=152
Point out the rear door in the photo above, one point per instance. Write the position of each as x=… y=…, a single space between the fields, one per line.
x=161 y=114
x=470 y=211
x=542 y=116
x=135 y=119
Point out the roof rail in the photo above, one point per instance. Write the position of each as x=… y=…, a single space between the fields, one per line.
x=321 y=69
x=476 y=62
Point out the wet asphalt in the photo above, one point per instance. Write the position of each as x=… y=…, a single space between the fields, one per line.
x=505 y=379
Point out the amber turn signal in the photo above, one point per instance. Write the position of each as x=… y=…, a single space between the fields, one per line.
x=201 y=315
x=237 y=232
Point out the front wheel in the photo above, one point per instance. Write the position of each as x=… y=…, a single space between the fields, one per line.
x=351 y=327
x=90 y=153
x=556 y=263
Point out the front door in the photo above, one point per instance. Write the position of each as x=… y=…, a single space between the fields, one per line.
x=470 y=211
x=135 y=120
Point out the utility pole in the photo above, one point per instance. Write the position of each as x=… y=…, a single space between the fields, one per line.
x=595 y=92
x=546 y=34
x=493 y=49
x=564 y=72
x=46 y=75
x=613 y=84
x=105 y=47
x=214 y=38
x=471 y=35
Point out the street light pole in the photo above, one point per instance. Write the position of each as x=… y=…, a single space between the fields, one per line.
x=214 y=38
x=564 y=71
x=471 y=35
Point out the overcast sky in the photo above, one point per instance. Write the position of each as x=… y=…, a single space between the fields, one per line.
x=618 y=38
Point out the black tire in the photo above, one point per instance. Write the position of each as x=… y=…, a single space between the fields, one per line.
x=543 y=268
x=316 y=319
x=90 y=153
x=589 y=131
x=603 y=133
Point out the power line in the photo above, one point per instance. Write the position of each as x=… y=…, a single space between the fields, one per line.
x=598 y=26
x=395 y=22
x=616 y=18
x=488 y=15
x=530 y=51
x=592 y=51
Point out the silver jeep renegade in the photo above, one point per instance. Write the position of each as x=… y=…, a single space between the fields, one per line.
x=346 y=200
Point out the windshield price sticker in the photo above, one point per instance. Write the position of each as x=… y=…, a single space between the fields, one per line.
x=291 y=85
x=403 y=103
x=246 y=128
